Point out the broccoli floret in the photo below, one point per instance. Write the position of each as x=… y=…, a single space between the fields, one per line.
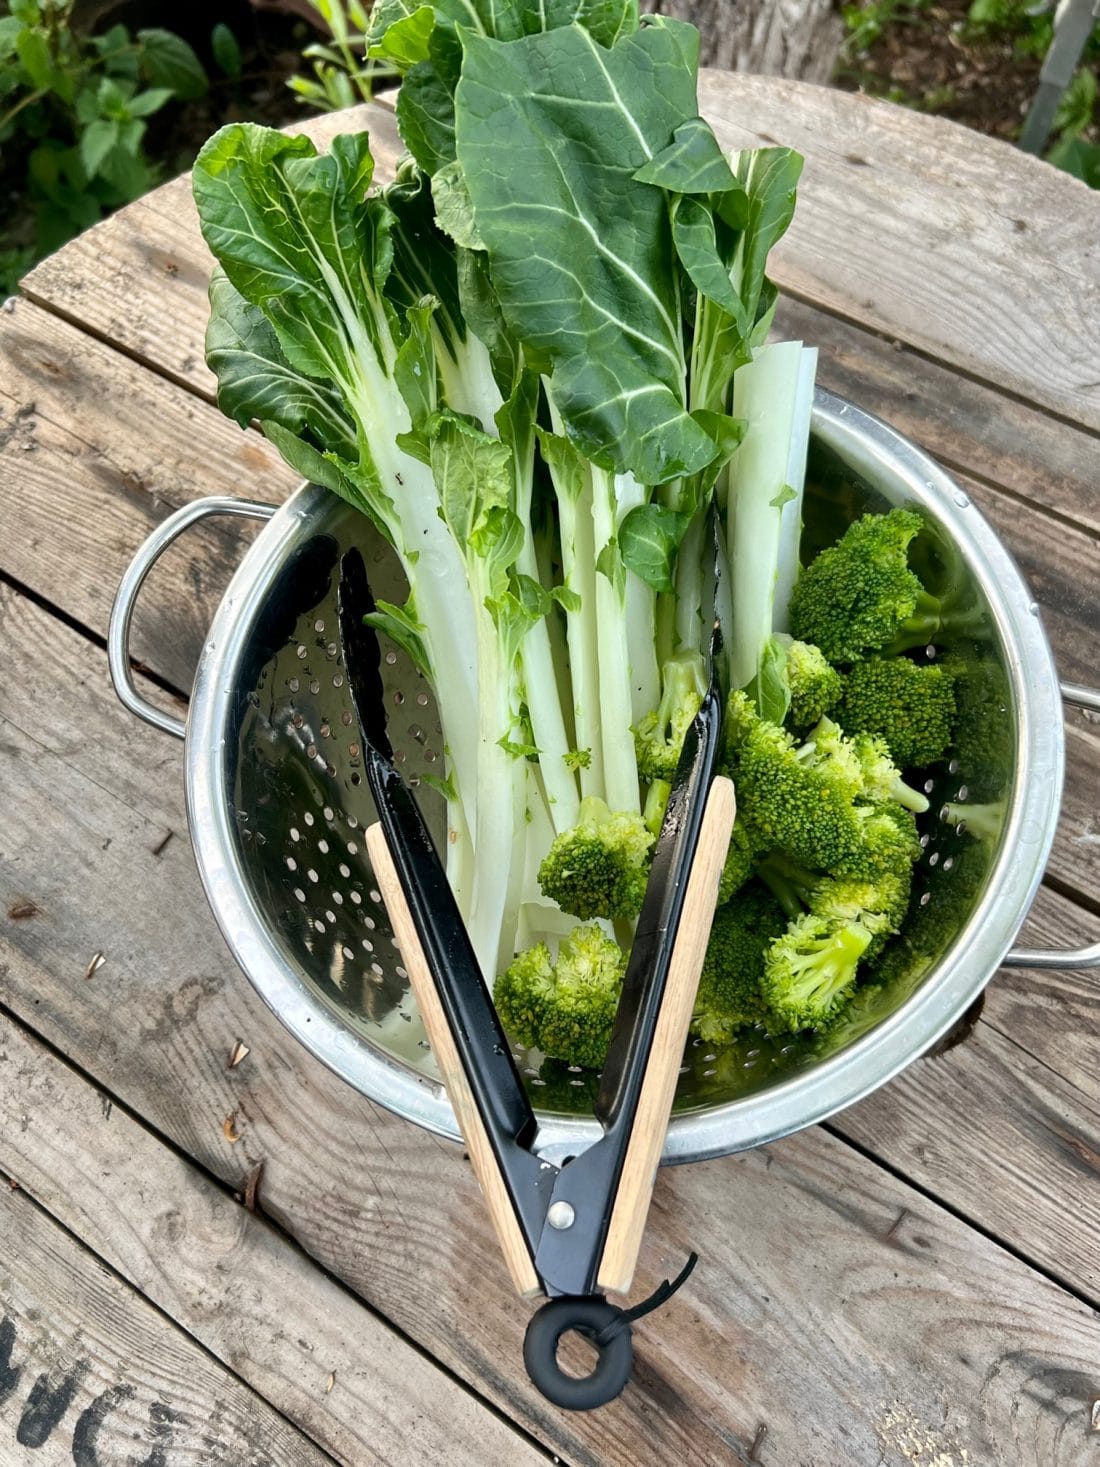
x=878 y=903
x=985 y=729
x=744 y=848
x=659 y=736
x=815 y=685
x=879 y=906
x=890 y=842
x=826 y=750
x=799 y=800
x=729 y=988
x=983 y=821
x=566 y=1008
x=860 y=595
x=600 y=867
x=882 y=778
x=908 y=704
x=810 y=970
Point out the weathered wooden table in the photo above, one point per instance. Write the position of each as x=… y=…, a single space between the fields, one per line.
x=914 y=1283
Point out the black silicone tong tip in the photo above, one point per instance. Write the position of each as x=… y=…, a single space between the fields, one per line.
x=362 y=654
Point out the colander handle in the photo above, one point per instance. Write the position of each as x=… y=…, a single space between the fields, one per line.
x=1070 y=957
x=122 y=612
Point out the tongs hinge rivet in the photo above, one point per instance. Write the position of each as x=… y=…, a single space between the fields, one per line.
x=560 y=1215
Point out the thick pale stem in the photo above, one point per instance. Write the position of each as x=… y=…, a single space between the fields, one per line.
x=790 y=524
x=765 y=393
x=579 y=574
x=501 y=806
x=620 y=768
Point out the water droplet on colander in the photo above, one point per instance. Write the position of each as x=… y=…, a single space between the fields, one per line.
x=301 y=652
x=391 y=658
x=1030 y=833
x=293 y=684
x=338 y=682
x=1034 y=608
x=926 y=897
x=345 y=718
x=422 y=699
x=961 y=499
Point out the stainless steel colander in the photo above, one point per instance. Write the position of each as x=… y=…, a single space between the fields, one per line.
x=278 y=804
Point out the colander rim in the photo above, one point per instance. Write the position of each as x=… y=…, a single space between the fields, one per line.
x=870 y=447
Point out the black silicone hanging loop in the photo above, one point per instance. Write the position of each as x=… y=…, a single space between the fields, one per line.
x=592 y=1317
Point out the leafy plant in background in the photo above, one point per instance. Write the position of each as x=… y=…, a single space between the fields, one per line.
x=73 y=117
x=1076 y=113
x=344 y=72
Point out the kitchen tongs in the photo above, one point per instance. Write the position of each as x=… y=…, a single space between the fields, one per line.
x=571 y=1231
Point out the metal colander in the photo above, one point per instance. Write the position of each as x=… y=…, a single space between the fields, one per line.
x=278 y=804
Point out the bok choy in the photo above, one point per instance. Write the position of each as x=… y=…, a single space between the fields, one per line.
x=531 y=360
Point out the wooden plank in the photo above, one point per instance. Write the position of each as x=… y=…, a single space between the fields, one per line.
x=139 y=278
x=228 y=1278
x=944 y=262
x=479 y=1145
x=810 y=1313
x=980 y=256
x=88 y=1369
x=966 y=425
x=86 y=445
x=1006 y=1127
x=95 y=451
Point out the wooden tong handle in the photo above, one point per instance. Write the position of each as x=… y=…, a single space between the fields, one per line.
x=482 y=1157
x=647 y=1137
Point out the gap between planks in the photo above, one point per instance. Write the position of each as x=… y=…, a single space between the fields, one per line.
x=711 y=1204
x=173 y=1234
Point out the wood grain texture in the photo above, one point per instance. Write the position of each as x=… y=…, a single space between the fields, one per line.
x=630 y=1207
x=766 y=37
x=982 y=257
x=94 y=453
x=966 y=425
x=229 y=1279
x=1006 y=1127
x=139 y=279
x=811 y=1312
x=502 y=1215
x=90 y=1372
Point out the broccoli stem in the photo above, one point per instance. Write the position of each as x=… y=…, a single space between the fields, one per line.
x=790 y=884
x=933 y=619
